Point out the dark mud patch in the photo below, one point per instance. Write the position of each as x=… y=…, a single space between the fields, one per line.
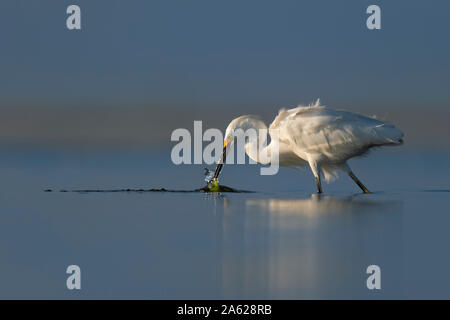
x=205 y=189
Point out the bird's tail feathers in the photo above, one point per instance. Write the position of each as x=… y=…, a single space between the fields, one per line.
x=388 y=135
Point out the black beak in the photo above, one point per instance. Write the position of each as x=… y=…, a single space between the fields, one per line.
x=220 y=163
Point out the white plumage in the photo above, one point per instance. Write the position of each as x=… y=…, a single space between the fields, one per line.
x=320 y=137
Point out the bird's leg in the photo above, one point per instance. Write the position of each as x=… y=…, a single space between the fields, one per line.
x=349 y=171
x=359 y=183
x=315 y=168
x=319 y=184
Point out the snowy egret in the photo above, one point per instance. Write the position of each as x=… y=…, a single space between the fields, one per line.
x=318 y=136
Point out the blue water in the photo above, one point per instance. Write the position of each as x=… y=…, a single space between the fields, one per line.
x=282 y=241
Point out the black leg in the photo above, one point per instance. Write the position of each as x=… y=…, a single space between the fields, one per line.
x=359 y=183
x=319 y=184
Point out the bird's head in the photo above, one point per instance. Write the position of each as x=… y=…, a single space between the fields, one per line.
x=236 y=128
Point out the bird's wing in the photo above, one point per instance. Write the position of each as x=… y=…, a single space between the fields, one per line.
x=290 y=114
x=333 y=133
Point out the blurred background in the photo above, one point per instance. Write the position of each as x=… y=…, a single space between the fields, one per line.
x=140 y=69
x=95 y=108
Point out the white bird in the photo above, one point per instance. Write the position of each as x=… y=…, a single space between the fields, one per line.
x=315 y=135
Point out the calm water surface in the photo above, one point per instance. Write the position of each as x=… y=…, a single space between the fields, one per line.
x=282 y=241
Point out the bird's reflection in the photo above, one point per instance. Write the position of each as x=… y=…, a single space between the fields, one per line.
x=319 y=204
x=278 y=247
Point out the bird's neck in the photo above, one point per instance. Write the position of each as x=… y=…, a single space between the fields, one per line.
x=254 y=132
x=258 y=152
